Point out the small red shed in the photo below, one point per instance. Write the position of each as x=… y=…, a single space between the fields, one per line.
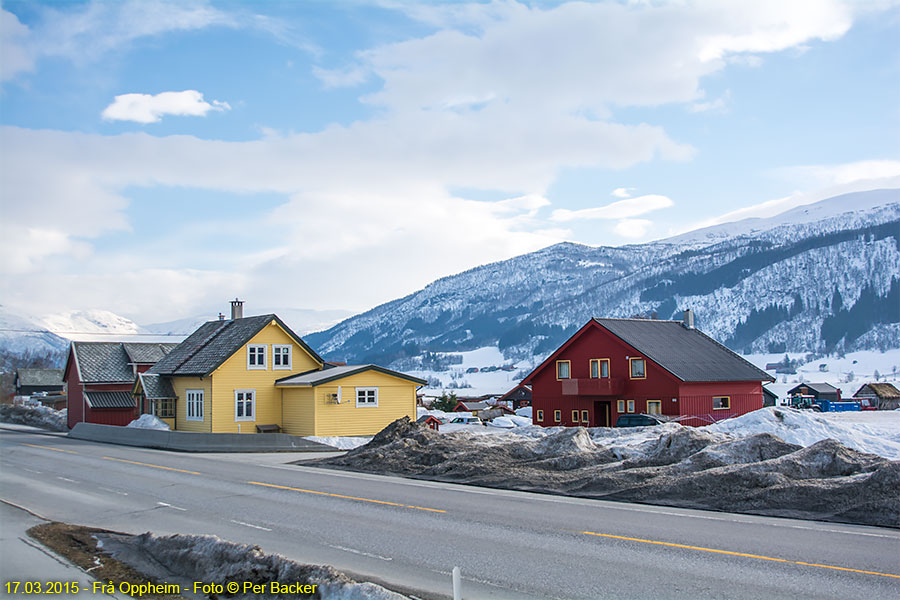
x=612 y=367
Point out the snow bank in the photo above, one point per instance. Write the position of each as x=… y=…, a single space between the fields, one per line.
x=35 y=415
x=184 y=559
x=148 y=422
x=525 y=411
x=502 y=423
x=805 y=428
x=341 y=442
x=520 y=421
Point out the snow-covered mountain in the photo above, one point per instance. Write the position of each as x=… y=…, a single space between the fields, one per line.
x=818 y=278
x=20 y=335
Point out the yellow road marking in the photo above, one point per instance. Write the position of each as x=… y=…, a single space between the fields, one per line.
x=284 y=487
x=49 y=448
x=729 y=552
x=134 y=462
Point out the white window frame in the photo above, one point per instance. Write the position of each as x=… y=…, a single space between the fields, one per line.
x=366 y=391
x=276 y=355
x=250 y=352
x=193 y=403
x=245 y=401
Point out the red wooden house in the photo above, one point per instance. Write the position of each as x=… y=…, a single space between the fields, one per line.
x=612 y=367
x=99 y=377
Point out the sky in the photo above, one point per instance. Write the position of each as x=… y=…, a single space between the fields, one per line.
x=160 y=158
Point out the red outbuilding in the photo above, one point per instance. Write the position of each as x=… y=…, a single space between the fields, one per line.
x=614 y=367
x=99 y=377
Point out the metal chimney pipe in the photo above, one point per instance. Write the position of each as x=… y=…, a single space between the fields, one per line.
x=237 y=309
x=689 y=319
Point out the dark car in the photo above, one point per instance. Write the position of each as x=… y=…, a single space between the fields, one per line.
x=637 y=421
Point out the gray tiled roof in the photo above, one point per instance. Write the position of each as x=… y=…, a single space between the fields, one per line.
x=42 y=377
x=819 y=388
x=156 y=387
x=214 y=341
x=110 y=399
x=689 y=354
x=475 y=405
x=109 y=362
x=315 y=378
x=145 y=353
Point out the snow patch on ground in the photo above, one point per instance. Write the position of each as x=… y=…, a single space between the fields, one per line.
x=341 y=442
x=183 y=559
x=149 y=422
x=35 y=415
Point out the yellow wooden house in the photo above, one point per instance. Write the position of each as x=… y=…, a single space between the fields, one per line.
x=252 y=374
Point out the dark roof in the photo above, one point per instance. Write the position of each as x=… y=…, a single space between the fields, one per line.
x=426 y=418
x=687 y=353
x=109 y=399
x=819 y=388
x=882 y=390
x=315 y=378
x=156 y=387
x=109 y=362
x=40 y=377
x=145 y=353
x=469 y=406
x=520 y=392
x=214 y=342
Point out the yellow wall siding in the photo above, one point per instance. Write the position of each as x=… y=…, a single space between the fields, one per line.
x=180 y=385
x=299 y=411
x=233 y=375
x=396 y=399
x=169 y=422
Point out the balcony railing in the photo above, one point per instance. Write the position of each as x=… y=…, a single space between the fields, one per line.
x=604 y=386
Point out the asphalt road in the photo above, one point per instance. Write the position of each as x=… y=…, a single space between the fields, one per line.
x=409 y=534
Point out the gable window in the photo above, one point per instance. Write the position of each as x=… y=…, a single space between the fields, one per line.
x=599 y=368
x=540 y=415
x=194 y=405
x=638 y=368
x=367 y=396
x=557 y=415
x=256 y=356
x=630 y=405
x=244 y=405
x=654 y=407
x=281 y=356
x=620 y=406
x=721 y=402
x=563 y=369
x=574 y=416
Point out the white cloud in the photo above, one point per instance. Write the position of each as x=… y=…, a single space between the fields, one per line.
x=622 y=192
x=144 y=108
x=13 y=42
x=623 y=209
x=633 y=228
x=720 y=104
x=839 y=174
x=338 y=78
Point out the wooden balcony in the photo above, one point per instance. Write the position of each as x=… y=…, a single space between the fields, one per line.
x=605 y=386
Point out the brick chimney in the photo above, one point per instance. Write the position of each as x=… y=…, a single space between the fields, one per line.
x=237 y=309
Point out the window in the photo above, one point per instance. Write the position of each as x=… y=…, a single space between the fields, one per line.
x=563 y=368
x=163 y=408
x=194 y=405
x=637 y=368
x=574 y=416
x=654 y=407
x=585 y=417
x=557 y=415
x=721 y=402
x=244 y=401
x=599 y=368
x=620 y=406
x=630 y=405
x=256 y=356
x=367 y=396
x=281 y=356
x=540 y=415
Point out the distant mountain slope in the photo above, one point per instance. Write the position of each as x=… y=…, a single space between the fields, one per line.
x=817 y=278
x=20 y=335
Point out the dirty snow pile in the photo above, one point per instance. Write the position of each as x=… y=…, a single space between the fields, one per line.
x=183 y=559
x=346 y=442
x=877 y=432
x=148 y=422
x=671 y=465
x=35 y=415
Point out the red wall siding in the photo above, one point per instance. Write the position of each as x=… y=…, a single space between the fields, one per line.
x=695 y=400
x=74 y=396
x=111 y=416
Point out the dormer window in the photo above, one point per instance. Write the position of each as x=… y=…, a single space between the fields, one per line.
x=256 y=356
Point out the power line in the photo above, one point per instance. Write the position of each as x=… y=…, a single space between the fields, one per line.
x=92 y=332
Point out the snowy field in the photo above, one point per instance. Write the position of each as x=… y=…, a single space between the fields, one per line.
x=847 y=373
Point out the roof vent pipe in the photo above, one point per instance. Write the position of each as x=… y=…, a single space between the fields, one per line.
x=689 y=319
x=237 y=309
